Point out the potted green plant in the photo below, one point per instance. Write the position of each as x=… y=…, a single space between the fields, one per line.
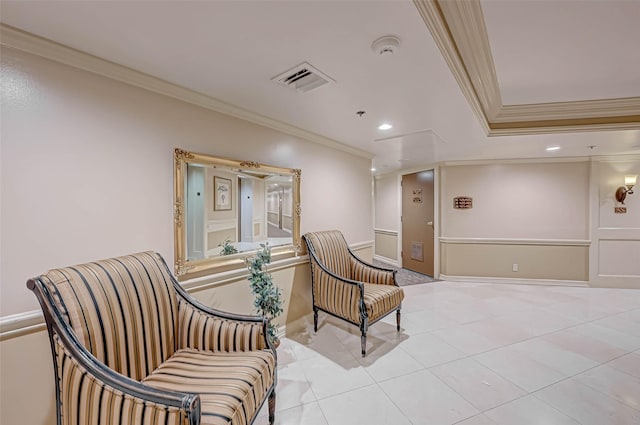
x=227 y=247
x=268 y=297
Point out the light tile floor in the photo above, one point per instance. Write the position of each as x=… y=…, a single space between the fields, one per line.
x=471 y=354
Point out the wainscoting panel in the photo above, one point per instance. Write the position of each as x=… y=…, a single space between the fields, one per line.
x=386 y=245
x=619 y=258
x=515 y=259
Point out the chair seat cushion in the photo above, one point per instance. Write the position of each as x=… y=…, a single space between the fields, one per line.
x=381 y=299
x=231 y=385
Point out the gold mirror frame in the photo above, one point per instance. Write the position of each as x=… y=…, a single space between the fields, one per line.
x=189 y=269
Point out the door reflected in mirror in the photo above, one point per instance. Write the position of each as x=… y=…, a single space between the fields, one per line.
x=231 y=211
x=225 y=209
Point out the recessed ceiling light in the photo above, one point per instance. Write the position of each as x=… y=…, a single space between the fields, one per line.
x=385 y=126
x=373 y=169
x=552 y=148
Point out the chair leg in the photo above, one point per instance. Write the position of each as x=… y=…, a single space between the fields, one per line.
x=272 y=407
x=364 y=326
x=315 y=319
x=398 y=319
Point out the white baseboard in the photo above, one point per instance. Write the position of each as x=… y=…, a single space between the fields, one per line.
x=512 y=281
x=386 y=260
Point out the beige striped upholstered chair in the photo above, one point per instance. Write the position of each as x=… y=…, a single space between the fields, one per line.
x=130 y=346
x=347 y=287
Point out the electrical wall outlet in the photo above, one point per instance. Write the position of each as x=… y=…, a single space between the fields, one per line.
x=515 y=267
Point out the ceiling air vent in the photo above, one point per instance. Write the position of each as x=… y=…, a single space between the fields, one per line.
x=303 y=78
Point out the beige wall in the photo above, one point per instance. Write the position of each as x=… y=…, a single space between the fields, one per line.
x=539 y=262
x=87 y=172
x=27 y=392
x=531 y=214
x=387 y=202
x=387 y=216
x=547 y=200
x=525 y=210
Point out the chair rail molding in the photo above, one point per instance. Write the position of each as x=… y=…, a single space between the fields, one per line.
x=510 y=241
x=16 y=325
x=386 y=232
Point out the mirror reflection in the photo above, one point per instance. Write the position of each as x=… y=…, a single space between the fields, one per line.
x=230 y=210
x=225 y=209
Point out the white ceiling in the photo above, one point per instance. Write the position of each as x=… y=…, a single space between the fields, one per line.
x=558 y=51
x=230 y=50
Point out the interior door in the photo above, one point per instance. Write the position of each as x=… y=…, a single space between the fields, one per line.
x=246 y=210
x=195 y=213
x=417 y=222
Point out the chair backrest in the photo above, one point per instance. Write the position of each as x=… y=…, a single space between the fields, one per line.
x=123 y=310
x=331 y=250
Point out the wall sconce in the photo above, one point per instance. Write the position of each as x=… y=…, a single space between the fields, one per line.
x=622 y=191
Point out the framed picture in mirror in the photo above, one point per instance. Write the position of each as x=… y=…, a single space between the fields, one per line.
x=223 y=194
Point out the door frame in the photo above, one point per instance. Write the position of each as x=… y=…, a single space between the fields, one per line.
x=436 y=214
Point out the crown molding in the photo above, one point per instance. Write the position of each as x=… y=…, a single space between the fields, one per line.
x=468 y=30
x=620 y=107
x=502 y=161
x=459 y=31
x=433 y=18
x=30 y=43
x=564 y=126
x=616 y=158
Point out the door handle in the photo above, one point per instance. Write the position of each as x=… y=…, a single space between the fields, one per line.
x=430 y=223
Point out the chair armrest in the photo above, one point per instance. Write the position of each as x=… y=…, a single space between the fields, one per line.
x=329 y=287
x=86 y=387
x=368 y=273
x=204 y=328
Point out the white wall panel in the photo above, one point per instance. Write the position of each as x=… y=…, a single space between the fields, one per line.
x=619 y=258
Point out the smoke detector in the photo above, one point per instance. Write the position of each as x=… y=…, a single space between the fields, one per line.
x=386 y=45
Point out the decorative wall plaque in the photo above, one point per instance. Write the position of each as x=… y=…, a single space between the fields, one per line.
x=417 y=195
x=462 y=202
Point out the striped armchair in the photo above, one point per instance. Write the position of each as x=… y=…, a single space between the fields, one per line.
x=347 y=287
x=131 y=347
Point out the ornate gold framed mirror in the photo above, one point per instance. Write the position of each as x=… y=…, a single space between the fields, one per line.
x=225 y=208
